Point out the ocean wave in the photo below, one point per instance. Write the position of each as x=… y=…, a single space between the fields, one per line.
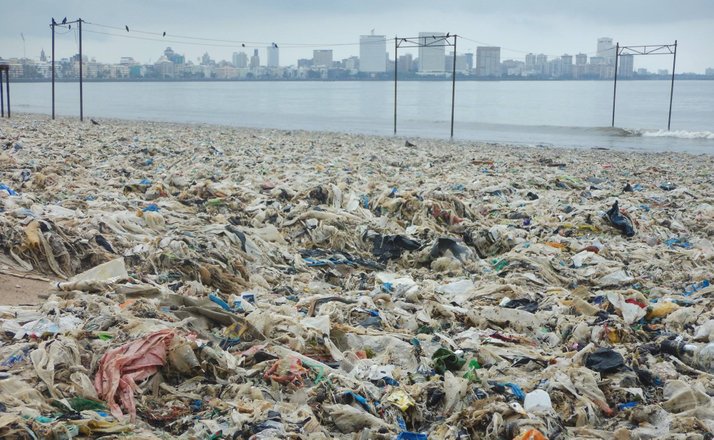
x=682 y=134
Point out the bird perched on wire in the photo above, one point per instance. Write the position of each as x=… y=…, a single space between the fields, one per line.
x=126 y=27
x=64 y=20
x=242 y=44
x=275 y=45
x=53 y=21
x=164 y=34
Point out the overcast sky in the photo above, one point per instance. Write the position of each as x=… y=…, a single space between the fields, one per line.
x=518 y=26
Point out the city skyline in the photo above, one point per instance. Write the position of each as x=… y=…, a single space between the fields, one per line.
x=372 y=63
x=518 y=27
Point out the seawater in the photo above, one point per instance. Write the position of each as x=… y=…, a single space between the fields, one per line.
x=558 y=113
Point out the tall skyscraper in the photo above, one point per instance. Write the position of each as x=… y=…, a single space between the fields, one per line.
x=322 y=58
x=581 y=59
x=488 y=61
x=606 y=49
x=405 y=63
x=626 y=67
x=273 y=56
x=371 y=53
x=530 y=61
x=240 y=60
x=431 y=58
x=255 y=60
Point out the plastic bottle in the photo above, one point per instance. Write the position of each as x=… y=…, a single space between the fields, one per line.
x=699 y=356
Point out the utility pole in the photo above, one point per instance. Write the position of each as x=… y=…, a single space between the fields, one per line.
x=671 y=87
x=52 y=26
x=614 y=87
x=81 y=104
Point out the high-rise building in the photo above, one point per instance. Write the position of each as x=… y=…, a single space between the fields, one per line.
x=530 y=61
x=488 y=61
x=606 y=49
x=255 y=60
x=469 y=60
x=371 y=53
x=626 y=67
x=432 y=52
x=462 y=61
x=322 y=58
x=566 y=66
x=240 y=60
x=43 y=57
x=405 y=63
x=581 y=59
x=273 y=55
x=541 y=63
x=173 y=56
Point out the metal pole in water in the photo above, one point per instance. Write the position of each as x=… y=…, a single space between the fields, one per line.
x=614 y=89
x=671 y=88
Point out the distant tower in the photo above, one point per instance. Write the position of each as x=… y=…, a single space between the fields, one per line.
x=371 y=53
x=488 y=61
x=627 y=66
x=432 y=58
x=255 y=60
x=240 y=60
x=606 y=49
x=43 y=57
x=322 y=58
x=273 y=55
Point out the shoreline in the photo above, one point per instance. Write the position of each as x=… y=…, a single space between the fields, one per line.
x=424 y=139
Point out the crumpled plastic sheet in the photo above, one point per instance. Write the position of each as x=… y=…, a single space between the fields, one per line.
x=213 y=282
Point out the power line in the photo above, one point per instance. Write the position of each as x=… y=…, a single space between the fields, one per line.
x=246 y=44
x=230 y=43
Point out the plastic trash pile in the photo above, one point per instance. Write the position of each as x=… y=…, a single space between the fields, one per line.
x=222 y=283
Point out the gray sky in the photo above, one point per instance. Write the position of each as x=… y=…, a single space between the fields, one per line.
x=518 y=26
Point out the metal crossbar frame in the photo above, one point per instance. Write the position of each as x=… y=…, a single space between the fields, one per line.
x=53 y=24
x=436 y=41
x=651 y=49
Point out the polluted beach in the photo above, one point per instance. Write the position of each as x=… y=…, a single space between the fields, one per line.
x=195 y=281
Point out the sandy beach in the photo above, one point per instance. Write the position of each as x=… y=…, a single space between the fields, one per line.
x=292 y=284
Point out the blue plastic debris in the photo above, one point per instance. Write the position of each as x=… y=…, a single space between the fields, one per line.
x=516 y=390
x=196 y=405
x=153 y=207
x=364 y=200
x=407 y=435
x=672 y=242
x=145 y=182
x=626 y=405
x=695 y=287
x=216 y=299
x=7 y=189
x=357 y=398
